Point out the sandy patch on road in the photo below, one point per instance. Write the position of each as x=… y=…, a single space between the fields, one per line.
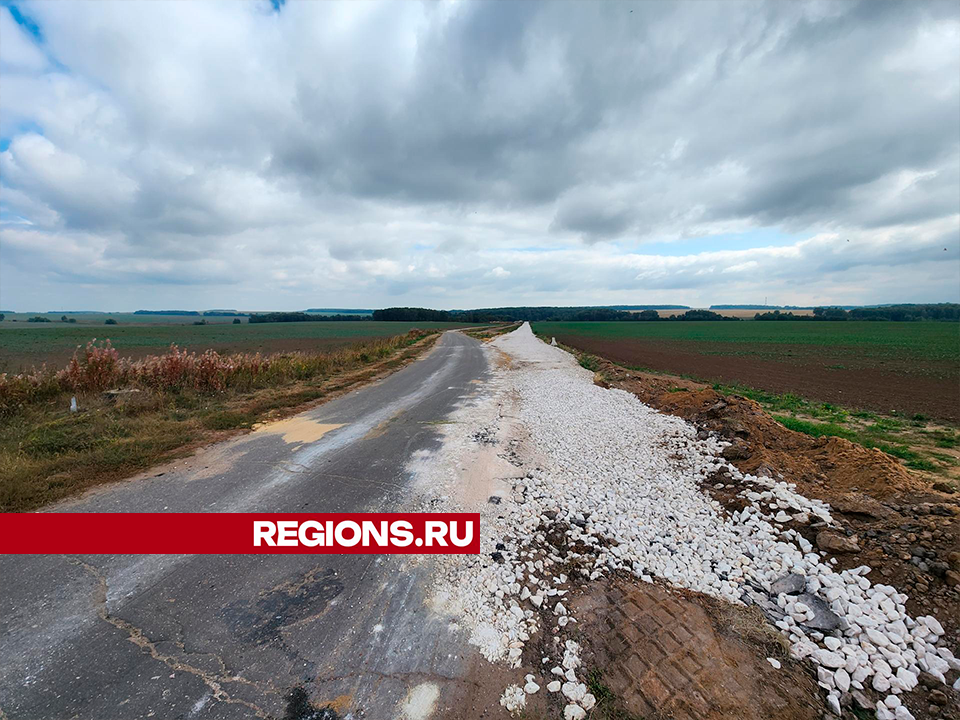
x=298 y=429
x=471 y=468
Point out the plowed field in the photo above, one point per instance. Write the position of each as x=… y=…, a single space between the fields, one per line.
x=907 y=367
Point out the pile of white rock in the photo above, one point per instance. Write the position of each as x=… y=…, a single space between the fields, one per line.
x=624 y=482
x=562 y=679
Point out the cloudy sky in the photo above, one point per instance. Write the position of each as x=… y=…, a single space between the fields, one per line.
x=460 y=154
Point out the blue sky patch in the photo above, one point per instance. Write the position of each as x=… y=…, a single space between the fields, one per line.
x=24 y=21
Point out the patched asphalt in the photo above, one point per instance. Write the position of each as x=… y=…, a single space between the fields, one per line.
x=241 y=636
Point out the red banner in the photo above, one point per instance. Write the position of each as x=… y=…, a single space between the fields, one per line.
x=238 y=533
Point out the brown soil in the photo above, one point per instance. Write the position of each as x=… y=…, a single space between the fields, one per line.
x=654 y=652
x=668 y=654
x=860 y=387
x=762 y=444
x=478 y=696
x=895 y=516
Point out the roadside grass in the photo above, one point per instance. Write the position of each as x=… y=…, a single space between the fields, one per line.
x=589 y=362
x=892 y=442
x=609 y=706
x=815 y=429
x=945 y=439
x=788 y=402
x=593 y=364
x=24 y=345
x=909 y=439
x=905 y=438
x=750 y=626
x=48 y=453
x=487 y=333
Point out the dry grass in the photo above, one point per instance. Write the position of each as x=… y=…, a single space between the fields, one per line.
x=489 y=333
x=99 y=367
x=48 y=453
x=749 y=625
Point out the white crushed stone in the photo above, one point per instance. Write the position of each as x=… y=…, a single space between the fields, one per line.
x=626 y=481
x=513 y=699
x=531 y=686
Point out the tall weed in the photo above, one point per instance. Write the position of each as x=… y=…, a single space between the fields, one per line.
x=99 y=367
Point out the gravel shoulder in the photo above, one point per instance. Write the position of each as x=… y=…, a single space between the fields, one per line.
x=588 y=494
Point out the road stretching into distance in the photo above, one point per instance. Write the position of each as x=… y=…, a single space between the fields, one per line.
x=206 y=636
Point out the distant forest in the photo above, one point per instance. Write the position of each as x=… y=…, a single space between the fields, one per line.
x=890 y=313
x=767 y=307
x=942 y=311
x=536 y=314
x=303 y=317
x=166 y=312
x=339 y=311
x=896 y=313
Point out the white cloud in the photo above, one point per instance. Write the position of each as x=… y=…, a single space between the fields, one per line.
x=17 y=51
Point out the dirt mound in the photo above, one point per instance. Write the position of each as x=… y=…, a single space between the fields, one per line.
x=657 y=653
x=762 y=446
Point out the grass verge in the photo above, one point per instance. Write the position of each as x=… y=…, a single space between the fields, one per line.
x=872 y=439
x=609 y=706
x=487 y=333
x=48 y=453
x=911 y=439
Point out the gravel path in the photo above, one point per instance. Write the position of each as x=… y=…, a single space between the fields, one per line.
x=624 y=483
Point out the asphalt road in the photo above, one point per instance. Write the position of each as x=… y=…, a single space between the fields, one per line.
x=236 y=636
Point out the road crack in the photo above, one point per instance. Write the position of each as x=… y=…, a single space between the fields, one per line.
x=420 y=676
x=135 y=635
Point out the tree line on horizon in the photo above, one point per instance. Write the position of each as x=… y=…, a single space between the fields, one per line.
x=900 y=313
x=907 y=312
x=940 y=311
x=949 y=312
x=536 y=314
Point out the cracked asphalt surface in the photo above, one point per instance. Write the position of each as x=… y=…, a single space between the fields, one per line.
x=133 y=636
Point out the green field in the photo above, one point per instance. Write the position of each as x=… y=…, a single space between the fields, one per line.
x=16 y=319
x=23 y=345
x=927 y=342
